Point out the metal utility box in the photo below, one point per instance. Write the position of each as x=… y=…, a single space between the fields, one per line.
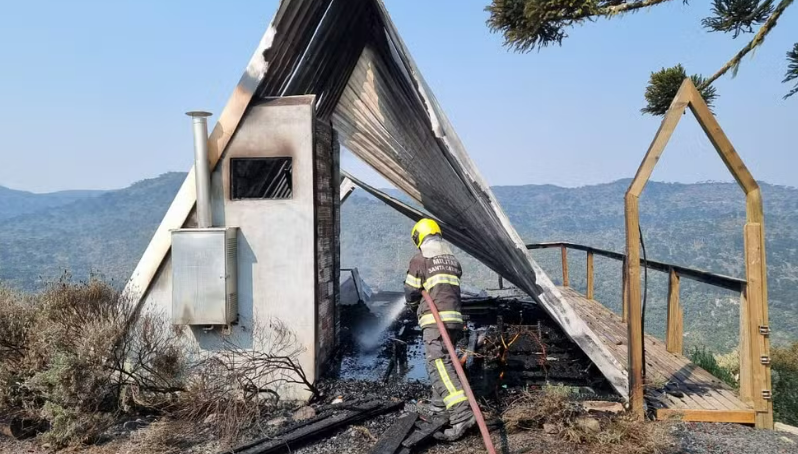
x=204 y=276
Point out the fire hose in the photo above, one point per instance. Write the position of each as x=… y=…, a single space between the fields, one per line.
x=483 y=429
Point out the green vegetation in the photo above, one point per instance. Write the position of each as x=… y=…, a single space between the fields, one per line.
x=704 y=359
x=784 y=375
x=63 y=355
x=785 y=383
x=664 y=84
x=533 y=24
x=100 y=232
x=698 y=225
x=75 y=360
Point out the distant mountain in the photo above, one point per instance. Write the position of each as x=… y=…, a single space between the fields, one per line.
x=14 y=203
x=105 y=233
x=698 y=225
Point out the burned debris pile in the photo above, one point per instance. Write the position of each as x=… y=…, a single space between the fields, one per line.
x=510 y=348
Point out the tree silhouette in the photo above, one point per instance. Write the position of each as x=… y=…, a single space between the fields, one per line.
x=534 y=24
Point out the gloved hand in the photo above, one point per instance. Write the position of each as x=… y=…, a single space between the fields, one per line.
x=410 y=310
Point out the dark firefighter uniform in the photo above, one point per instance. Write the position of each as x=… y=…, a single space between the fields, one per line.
x=435 y=269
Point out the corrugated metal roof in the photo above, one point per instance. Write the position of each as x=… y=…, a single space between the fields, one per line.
x=349 y=54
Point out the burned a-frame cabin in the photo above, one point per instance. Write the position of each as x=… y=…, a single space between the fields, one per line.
x=329 y=73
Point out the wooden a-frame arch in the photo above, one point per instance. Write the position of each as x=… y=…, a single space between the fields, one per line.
x=755 y=384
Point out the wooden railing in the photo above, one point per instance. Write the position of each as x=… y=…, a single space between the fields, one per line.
x=675 y=323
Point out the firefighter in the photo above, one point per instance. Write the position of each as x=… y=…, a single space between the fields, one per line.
x=435 y=269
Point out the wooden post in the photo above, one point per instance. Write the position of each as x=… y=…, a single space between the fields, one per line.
x=624 y=293
x=675 y=323
x=590 y=275
x=564 y=253
x=501 y=282
x=759 y=345
x=755 y=380
x=634 y=324
x=746 y=369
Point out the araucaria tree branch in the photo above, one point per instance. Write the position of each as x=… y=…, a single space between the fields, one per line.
x=758 y=39
x=792 y=70
x=527 y=24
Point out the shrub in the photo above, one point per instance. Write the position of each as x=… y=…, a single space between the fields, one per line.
x=67 y=353
x=704 y=359
x=784 y=375
x=235 y=384
x=77 y=355
x=784 y=369
x=554 y=406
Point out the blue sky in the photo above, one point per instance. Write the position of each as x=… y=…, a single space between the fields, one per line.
x=94 y=92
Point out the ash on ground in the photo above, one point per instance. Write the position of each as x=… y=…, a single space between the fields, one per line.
x=509 y=346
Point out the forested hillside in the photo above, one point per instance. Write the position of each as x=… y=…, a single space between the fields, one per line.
x=698 y=225
x=105 y=234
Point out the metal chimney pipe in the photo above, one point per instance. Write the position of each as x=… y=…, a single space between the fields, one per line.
x=202 y=170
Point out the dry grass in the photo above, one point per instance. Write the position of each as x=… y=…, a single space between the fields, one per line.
x=533 y=410
x=165 y=437
x=554 y=408
x=77 y=358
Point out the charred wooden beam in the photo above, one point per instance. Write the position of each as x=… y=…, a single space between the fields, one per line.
x=395 y=435
x=309 y=432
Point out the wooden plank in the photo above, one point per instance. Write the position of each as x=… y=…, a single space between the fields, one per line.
x=608 y=323
x=590 y=275
x=393 y=437
x=702 y=390
x=759 y=345
x=564 y=254
x=312 y=431
x=675 y=322
x=719 y=140
x=755 y=215
x=730 y=416
x=424 y=430
x=661 y=139
x=694 y=392
x=746 y=368
x=705 y=390
x=624 y=293
x=634 y=316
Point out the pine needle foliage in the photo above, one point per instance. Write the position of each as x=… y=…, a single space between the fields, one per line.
x=738 y=16
x=665 y=83
x=792 y=70
x=533 y=24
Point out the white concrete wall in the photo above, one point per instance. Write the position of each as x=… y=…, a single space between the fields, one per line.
x=276 y=261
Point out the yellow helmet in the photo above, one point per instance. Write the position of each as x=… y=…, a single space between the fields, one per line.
x=423 y=228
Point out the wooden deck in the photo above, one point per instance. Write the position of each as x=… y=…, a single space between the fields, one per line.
x=702 y=397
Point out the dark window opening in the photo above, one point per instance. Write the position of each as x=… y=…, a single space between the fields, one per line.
x=260 y=178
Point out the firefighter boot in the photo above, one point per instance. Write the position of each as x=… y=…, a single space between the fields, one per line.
x=431 y=408
x=457 y=430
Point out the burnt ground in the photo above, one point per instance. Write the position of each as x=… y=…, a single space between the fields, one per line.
x=513 y=348
x=509 y=343
x=686 y=438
